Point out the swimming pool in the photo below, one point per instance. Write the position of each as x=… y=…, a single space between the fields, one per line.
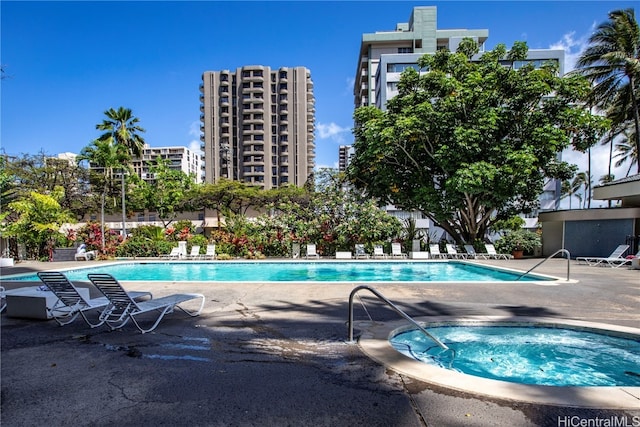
x=299 y=271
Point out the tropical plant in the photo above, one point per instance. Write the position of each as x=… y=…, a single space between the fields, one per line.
x=612 y=63
x=469 y=143
x=104 y=156
x=121 y=127
x=626 y=151
x=37 y=221
x=518 y=240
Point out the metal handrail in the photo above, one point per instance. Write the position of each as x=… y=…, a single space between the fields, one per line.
x=547 y=258
x=393 y=306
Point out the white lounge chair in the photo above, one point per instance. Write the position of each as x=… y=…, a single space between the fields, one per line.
x=618 y=262
x=211 y=252
x=83 y=253
x=612 y=260
x=174 y=254
x=453 y=253
x=378 y=252
x=493 y=254
x=195 y=252
x=434 y=249
x=70 y=303
x=311 y=251
x=123 y=308
x=396 y=251
x=360 y=252
x=471 y=252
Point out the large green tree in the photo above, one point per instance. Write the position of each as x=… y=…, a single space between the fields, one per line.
x=612 y=63
x=44 y=173
x=166 y=194
x=469 y=143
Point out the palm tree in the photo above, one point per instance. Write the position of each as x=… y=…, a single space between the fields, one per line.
x=627 y=150
x=570 y=188
x=613 y=57
x=121 y=126
x=605 y=179
x=107 y=156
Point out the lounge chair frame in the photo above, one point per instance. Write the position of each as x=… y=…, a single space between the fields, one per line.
x=211 y=252
x=378 y=252
x=434 y=252
x=360 y=252
x=71 y=304
x=493 y=254
x=396 y=251
x=311 y=251
x=613 y=260
x=123 y=308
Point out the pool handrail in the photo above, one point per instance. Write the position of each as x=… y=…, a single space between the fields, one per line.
x=394 y=307
x=564 y=251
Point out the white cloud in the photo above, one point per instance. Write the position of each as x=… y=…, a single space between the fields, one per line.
x=573 y=47
x=194 y=144
x=194 y=129
x=332 y=131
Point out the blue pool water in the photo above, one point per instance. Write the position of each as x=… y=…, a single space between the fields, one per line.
x=267 y=271
x=529 y=354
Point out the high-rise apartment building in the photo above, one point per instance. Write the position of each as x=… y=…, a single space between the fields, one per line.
x=258 y=125
x=385 y=54
x=179 y=158
x=408 y=42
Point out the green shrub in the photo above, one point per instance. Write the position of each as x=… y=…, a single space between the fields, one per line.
x=519 y=240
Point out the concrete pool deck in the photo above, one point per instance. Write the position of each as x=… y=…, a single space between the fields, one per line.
x=277 y=354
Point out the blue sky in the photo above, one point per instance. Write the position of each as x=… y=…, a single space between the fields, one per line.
x=68 y=62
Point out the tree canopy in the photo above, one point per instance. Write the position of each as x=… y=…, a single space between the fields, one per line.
x=470 y=142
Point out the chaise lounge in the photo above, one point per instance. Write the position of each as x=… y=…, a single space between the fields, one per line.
x=123 y=308
x=614 y=260
x=71 y=303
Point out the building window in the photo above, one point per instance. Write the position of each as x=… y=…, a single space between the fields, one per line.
x=405 y=50
x=257 y=73
x=398 y=68
x=141 y=217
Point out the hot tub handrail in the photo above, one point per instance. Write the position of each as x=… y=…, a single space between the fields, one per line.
x=564 y=251
x=394 y=307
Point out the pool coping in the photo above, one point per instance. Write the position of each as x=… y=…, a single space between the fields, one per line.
x=545 y=280
x=374 y=342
